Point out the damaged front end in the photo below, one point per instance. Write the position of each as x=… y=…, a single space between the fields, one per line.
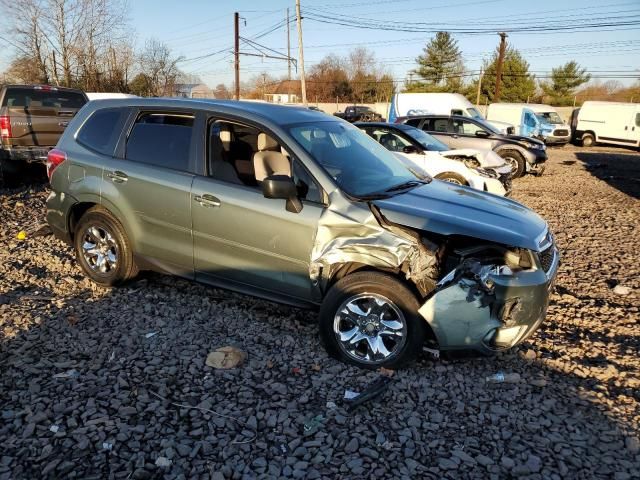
x=476 y=294
x=493 y=299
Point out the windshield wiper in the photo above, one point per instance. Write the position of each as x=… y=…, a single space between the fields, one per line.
x=405 y=185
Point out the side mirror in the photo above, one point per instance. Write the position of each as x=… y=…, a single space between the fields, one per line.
x=410 y=149
x=282 y=186
x=482 y=133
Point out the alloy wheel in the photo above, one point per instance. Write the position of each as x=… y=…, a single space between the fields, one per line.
x=370 y=328
x=99 y=249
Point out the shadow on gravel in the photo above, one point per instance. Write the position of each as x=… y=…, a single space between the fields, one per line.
x=620 y=170
x=121 y=347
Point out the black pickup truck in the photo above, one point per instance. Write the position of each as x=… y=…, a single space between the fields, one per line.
x=32 y=119
x=359 y=114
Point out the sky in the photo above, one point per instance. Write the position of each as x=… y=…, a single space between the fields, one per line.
x=195 y=29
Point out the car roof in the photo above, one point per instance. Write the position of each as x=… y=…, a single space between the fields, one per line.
x=279 y=114
x=43 y=87
x=375 y=124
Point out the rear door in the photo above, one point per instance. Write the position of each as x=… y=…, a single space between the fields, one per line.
x=149 y=185
x=441 y=128
x=39 y=115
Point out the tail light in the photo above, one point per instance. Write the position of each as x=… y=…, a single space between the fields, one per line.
x=54 y=159
x=5 y=126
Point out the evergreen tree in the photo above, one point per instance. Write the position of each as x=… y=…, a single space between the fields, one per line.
x=440 y=67
x=565 y=79
x=517 y=84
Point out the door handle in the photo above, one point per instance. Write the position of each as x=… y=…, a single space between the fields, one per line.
x=207 y=200
x=117 y=176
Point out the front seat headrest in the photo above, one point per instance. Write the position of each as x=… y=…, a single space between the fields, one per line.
x=265 y=142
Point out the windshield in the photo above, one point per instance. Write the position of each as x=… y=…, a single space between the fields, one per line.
x=474 y=113
x=358 y=164
x=549 y=117
x=488 y=126
x=423 y=138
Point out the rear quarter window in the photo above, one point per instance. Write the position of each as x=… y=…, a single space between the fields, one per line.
x=30 y=97
x=100 y=132
x=161 y=139
x=414 y=122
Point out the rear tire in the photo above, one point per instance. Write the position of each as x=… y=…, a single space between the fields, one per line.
x=588 y=140
x=388 y=331
x=452 y=177
x=103 y=249
x=516 y=160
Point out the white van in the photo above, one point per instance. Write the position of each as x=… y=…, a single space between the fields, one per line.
x=607 y=122
x=532 y=120
x=409 y=104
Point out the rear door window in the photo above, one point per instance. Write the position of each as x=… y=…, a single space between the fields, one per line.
x=100 y=132
x=440 y=125
x=30 y=97
x=161 y=139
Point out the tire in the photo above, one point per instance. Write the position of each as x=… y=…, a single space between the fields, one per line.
x=452 y=177
x=9 y=172
x=114 y=264
x=516 y=160
x=379 y=295
x=588 y=140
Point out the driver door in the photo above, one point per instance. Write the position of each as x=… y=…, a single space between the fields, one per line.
x=241 y=238
x=464 y=135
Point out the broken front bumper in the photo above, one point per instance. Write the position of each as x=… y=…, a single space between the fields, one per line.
x=495 y=312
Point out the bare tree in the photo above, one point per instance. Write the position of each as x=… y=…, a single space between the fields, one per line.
x=160 y=66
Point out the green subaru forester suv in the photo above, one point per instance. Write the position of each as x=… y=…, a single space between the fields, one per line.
x=299 y=207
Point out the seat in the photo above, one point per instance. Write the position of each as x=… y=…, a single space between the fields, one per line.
x=269 y=160
x=221 y=169
x=388 y=141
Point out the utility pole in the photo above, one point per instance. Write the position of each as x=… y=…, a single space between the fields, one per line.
x=236 y=23
x=301 y=54
x=503 y=47
x=479 y=87
x=288 y=49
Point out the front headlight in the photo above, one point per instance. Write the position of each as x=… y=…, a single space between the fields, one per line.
x=535 y=146
x=471 y=163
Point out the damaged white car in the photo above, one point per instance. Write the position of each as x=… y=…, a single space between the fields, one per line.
x=480 y=169
x=298 y=207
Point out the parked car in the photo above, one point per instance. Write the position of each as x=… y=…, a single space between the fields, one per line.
x=532 y=120
x=32 y=119
x=480 y=170
x=522 y=153
x=293 y=206
x=615 y=123
x=359 y=114
x=411 y=104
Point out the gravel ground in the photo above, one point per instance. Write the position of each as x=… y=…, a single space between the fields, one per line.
x=137 y=356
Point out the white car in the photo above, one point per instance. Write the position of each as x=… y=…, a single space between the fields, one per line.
x=480 y=169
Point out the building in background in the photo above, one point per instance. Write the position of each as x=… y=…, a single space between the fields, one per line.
x=192 y=90
x=287 y=91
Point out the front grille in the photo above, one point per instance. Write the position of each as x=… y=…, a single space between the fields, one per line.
x=546 y=258
x=561 y=133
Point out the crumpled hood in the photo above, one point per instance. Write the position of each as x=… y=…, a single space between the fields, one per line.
x=487 y=158
x=449 y=209
x=520 y=138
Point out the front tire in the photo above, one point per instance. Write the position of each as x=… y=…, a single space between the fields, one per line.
x=103 y=249
x=588 y=140
x=516 y=160
x=371 y=320
x=452 y=177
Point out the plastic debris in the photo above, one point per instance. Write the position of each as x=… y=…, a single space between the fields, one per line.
x=621 y=290
x=21 y=235
x=312 y=425
x=163 y=462
x=349 y=394
x=150 y=334
x=225 y=357
x=54 y=428
x=433 y=352
x=112 y=356
x=107 y=446
x=503 y=378
x=73 y=373
x=375 y=389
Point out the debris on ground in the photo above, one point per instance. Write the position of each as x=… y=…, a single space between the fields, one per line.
x=312 y=425
x=73 y=373
x=225 y=357
x=621 y=290
x=503 y=378
x=163 y=462
x=373 y=390
x=150 y=334
x=22 y=235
